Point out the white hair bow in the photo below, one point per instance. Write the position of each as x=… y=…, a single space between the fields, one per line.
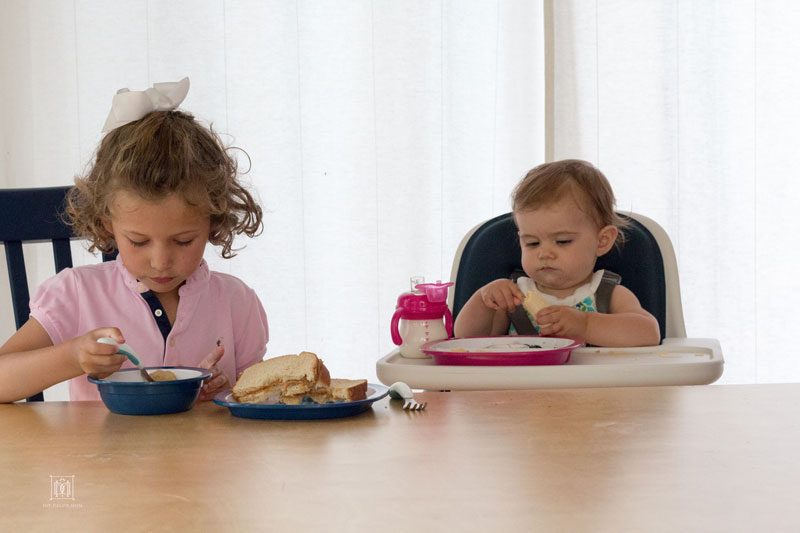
x=128 y=105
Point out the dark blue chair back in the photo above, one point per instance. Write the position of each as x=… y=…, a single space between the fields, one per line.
x=30 y=216
x=493 y=252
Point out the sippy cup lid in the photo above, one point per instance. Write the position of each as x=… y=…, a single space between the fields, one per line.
x=427 y=301
x=435 y=292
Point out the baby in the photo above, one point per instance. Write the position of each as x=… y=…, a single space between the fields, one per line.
x=565 y=215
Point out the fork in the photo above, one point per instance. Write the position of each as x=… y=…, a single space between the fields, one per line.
x=400 y=391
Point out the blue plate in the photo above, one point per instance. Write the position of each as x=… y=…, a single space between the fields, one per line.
x=303 y=411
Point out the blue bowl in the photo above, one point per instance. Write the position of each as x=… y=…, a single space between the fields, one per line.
x=125 y=392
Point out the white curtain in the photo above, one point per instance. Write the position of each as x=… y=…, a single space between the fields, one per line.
x=379 y=132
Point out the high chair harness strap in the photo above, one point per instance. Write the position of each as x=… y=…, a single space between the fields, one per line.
x=602 y=299
x=602 y=296
x=522 y=324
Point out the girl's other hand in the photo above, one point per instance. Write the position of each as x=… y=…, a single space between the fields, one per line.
x=218 y=380
x=501 y=294
x=96 y=359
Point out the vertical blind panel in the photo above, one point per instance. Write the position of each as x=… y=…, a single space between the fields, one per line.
x=408 y=137
x=616 y=99
x=11 y=61
x=114 y=35
x=264 y=120
x=637 y=111
x=16 y=145
x=339 y=183
x=519 y=102
x=715 y=233
x=469 y=72
x=575 y=66
x=187 y=38
x=777 y=190
x=53 y=95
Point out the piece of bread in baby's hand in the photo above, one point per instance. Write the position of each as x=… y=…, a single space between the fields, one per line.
x=534 y=302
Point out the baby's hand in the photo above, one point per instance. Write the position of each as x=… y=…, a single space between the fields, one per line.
x=97 y=359
x=218 y=380
x=501 y=294
x=562 y=321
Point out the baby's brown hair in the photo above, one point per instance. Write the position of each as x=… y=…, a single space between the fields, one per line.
x=588 y=186
x=164 y=153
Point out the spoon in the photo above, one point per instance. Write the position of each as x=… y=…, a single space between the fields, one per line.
x=128 y=352
x=400 y=391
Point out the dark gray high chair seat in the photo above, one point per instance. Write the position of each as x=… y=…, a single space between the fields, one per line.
x=29 y=216
x=646 y=263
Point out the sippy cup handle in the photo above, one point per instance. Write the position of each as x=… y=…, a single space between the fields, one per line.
x=448 y=322
x=395 y=332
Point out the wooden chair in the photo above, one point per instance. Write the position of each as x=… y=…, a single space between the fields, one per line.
x=29 y=216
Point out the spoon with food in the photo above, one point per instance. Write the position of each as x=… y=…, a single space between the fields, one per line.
x=128 y=352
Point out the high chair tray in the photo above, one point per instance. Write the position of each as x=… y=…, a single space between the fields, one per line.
x=677 y=361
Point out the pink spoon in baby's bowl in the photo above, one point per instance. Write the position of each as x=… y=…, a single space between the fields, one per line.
x=128 y=352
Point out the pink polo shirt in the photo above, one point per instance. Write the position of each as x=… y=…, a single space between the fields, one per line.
x=212 y=306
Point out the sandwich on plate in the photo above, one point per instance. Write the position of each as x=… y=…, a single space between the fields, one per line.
x=294 y=379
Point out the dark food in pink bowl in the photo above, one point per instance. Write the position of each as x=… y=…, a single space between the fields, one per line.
x=502 y=351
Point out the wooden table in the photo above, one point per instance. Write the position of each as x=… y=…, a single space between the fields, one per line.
x=707 y=458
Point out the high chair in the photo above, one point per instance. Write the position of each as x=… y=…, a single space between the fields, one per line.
x=646 y=262
x=648 y=267
x=30 y=216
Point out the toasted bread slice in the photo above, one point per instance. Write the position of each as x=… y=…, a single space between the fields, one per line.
x=534 y=302
x=348 y=390
x=283 y=376
x=342 y=390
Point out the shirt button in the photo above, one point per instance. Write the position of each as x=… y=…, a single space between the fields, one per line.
x=159 y=312
x=172 y=343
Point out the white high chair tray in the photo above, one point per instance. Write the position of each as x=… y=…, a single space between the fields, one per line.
x=677 y=361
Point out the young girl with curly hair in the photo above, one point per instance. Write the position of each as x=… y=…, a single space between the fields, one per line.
x=161 y=186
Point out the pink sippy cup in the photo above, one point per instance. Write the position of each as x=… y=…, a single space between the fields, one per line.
x=421 y=316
